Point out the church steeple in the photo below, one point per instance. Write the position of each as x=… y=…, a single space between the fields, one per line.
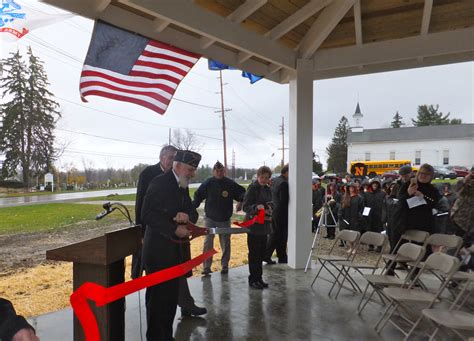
x=357 y=119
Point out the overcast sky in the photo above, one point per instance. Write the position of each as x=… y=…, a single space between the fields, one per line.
x=256 y=111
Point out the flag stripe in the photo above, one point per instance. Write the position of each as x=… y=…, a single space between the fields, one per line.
x=127 y=79
x=143 y=72
x=156 y=44
x=159 y=68
x=145 y=98
x=126 y=99
x=98 y=77
x=160 y=96
x=163 y=55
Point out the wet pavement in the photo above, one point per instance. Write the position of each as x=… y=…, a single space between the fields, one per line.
x=288 y=310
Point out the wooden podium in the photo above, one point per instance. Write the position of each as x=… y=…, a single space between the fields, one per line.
x=101 y=260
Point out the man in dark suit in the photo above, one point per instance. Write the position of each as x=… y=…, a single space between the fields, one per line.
x=278 y=239
x=167 y=153
x=166 y=211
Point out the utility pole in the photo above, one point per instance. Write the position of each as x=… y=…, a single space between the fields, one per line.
x=222 y=111
x=233 y=164
x=169 y=136
x=283 y=148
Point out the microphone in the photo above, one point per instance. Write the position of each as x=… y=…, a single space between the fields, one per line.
x=107 y=208
x=101 y=215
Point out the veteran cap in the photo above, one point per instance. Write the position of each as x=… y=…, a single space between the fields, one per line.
x=188 y=157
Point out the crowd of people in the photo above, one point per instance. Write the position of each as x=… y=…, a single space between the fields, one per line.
x=386 y=205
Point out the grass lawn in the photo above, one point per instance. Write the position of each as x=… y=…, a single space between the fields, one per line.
x=35 y=218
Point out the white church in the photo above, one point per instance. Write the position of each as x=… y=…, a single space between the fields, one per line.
x=437 y=145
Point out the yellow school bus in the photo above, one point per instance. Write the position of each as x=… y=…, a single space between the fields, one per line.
x=373 y=168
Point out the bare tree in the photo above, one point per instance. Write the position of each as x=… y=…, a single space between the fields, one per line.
x=88 y=169
x=186 y=140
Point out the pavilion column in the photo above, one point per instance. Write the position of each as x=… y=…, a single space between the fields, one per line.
x=301 y=148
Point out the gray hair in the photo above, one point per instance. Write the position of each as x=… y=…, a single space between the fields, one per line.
x=167 y=149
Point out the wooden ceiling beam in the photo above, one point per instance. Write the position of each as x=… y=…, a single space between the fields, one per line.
x=297 y=18
x=430 y=45
x=358 y=23
x=425 y=22
x=240 y=14
x=323 y=26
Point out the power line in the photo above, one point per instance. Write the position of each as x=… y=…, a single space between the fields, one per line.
x=139 y=121
x=107 y=138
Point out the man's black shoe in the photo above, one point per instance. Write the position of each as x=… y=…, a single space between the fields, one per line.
x=283 y=261
x=269 y=261
x=262 y=283
x=256 y=285
x=193 y=311
x=206 y=272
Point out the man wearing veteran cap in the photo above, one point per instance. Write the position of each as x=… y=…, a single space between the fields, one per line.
x=219 y=192
x=167 y=209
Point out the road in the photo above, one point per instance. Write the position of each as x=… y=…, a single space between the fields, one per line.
x=63 y=197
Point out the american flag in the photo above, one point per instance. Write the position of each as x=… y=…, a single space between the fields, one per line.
x=128 y=67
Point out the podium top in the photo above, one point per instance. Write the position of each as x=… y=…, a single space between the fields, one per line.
x=103 y=250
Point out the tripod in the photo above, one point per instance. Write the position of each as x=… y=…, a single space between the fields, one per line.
x=323 y=221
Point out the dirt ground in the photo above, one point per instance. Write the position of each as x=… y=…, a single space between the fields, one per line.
x=37 y=286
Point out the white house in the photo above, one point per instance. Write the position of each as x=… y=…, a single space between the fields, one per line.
x=436 y=145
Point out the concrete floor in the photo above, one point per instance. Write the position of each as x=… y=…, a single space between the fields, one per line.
x=288 y=310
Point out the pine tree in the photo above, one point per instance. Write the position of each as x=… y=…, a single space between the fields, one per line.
x=337 y=150
x=429 y=116
x=397 y=121
x=29 y=117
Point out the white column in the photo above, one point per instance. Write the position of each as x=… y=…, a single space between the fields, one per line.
x=301 y=148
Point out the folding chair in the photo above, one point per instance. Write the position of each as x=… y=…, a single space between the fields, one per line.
x=410 y=236
x=378 y=240
x=453 y=318
x=347 y=236
x=405 y=298
x=448 y=242
x=408 y=252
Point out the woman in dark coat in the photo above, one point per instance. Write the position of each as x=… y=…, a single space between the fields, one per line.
x=258 y=196
x=389 y=209
x=419 y=217
x=374 y=199
x=352 y=206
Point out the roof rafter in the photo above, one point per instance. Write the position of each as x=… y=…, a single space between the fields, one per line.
x=425 y=22
x=195 y=19
x=323 y=26
x=297 y=18
x=358 y=23
x=411 y=48
x=240 y=14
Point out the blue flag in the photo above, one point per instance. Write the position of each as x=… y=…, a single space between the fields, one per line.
x=216 y=66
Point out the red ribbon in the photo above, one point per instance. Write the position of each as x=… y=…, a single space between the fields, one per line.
x=258 y=219
x=102 y=296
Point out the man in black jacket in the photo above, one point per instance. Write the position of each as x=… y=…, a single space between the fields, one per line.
x=166 y=211
x=219 y=193
x=278 y=239
x=167 y=154
x=12 y=326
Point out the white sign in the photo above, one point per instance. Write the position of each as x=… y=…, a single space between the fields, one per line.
x=48 y=177
x=366 y=211
x=416 y=201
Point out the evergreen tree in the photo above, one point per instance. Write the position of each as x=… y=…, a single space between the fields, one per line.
x=429 y=116
x=317 y=165
x=29 y=117
x=337 y=150
x=456 y=121
x=397 y=121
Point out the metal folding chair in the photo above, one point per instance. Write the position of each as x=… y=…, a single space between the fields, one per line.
x=378 y=240
x=403 y=299
x=330 y=260
x=408 y=252
x=410 y=236
x=453 y=318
